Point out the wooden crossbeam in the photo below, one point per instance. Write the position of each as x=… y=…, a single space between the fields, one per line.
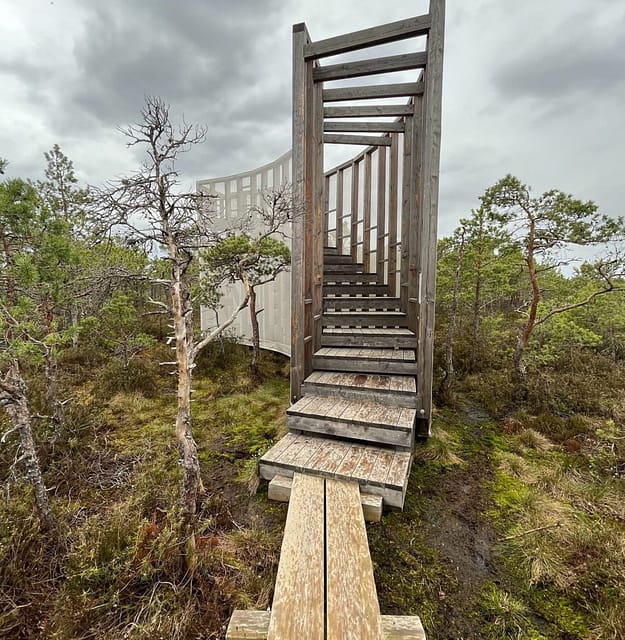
x=368 y=111
x=374 y=91
x=253 y=625
x=364 y=127
x=388 y=64
x=400 y=30
x=381 y=141
x=280 y=490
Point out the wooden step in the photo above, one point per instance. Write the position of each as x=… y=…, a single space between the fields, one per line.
x=378 y=470
x=372 y=303
x=365 y=360
x=364 y=319
x=348 y=267
x=355 y=289
x=367 y=421
x=330 y=251
x=391 y=389
x=400 y=338
x=338 y=258
x=364 y=278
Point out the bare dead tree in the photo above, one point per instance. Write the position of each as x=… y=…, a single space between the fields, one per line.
x=151 y=209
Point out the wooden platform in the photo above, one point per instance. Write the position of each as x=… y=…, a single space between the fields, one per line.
x=379 y=471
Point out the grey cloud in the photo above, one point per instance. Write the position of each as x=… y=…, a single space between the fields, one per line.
x=567 y=66
x=193 y=53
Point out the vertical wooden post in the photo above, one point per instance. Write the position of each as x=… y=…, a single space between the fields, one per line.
x=326 y=213
x=415 y=217
x=301 y=211
x=366 y=230
x=381 y=214
x=354 y=215
x=429 y=206
x=392 y=217
x=339 y=211
x=318 y=184
x=405 y=213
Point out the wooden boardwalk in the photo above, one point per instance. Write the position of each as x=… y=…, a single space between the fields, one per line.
x=324 y=588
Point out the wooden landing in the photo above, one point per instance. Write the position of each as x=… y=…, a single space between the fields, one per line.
x=378 y=471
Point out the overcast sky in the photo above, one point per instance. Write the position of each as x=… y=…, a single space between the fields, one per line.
x=534 y=88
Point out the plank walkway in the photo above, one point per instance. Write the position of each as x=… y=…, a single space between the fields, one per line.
x=325 y=588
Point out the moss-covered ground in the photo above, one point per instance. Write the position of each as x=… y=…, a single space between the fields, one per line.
x=513 y=527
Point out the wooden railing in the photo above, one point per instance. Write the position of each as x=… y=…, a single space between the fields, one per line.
x=381 y=206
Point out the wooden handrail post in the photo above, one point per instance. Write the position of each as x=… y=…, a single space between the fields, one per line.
x=300 y=210
x=429 y=205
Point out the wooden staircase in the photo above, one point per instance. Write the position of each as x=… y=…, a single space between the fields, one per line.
x=356 y=418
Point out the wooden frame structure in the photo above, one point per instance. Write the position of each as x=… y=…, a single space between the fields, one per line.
x=380 y=207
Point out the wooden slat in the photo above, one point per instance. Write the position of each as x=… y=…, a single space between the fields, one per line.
x=392 y=221
x=381 y=214
x=369 y=141
x=339 y=208
x=373 y=91
x=329 y=457
x=366 y=232
x=368 y=111
x=364 y=127
x=353 y=240
x=276 y=451
x=353 y=612
x=380 y=471
x=298 y=603
x=388 y=64
x=398 y=470
x=391 y=32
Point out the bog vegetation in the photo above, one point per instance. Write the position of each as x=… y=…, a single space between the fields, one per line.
x=131 y=506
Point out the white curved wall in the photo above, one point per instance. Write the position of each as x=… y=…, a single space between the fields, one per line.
x=235 y=194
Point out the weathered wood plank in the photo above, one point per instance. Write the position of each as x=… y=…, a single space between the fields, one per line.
x=248 y=625
x=372 y=66
x=279 y=490
x=298 y=603
x=364 y=126
x=253 y=625
x=373 y=91
x=391 y=32
x=368 y=111
x=353 y=612
x=370 y=141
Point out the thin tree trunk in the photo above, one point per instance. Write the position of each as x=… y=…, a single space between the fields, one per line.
x=451 y=327
x=186 y=443
x=520 y=369
x=255 y=333
x=16 y=406
x=56 y=408
x=477 y=301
